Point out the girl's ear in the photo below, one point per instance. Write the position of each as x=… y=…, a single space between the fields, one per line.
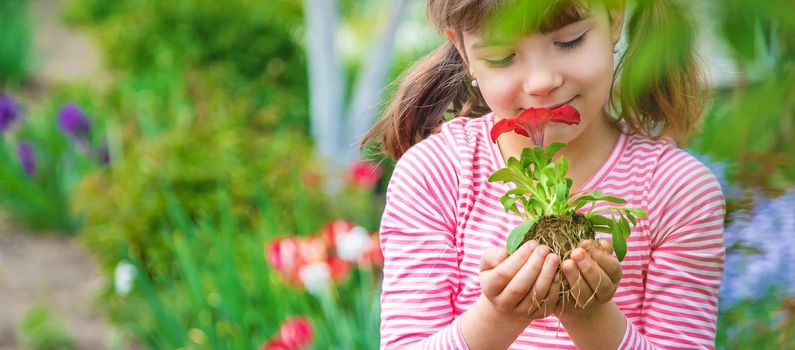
x=451 y=35
x=616 y=23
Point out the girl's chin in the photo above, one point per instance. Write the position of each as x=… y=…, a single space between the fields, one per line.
x=559 y=133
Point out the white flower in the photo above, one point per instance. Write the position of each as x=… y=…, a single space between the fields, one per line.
x=124 y=275
x=354 y=243
x=316 y=277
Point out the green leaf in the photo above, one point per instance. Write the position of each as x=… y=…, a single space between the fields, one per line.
x=507 y=201
x=619 y=242
x=541 y=160
x=513 y=163
x=509 y=175
x=562 y=192
x=612 y=199
x=632 y=218
x=625 y=230
x=517 y=235
x=554 y=148
x=640 y=213
x=598 y=220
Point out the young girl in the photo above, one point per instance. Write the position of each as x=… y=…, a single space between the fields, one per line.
x=448 y=282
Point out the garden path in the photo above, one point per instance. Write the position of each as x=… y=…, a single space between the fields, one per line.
x=44 y=268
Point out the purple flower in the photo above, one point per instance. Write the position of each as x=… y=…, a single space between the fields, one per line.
x=27 y=157
x=9 y=112
x=73 y=122
x=760 y=254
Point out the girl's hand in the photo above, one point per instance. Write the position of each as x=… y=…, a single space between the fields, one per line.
x=522 y=286
x=593 y=274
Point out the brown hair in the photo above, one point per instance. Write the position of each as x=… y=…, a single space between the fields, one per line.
x=659 y=94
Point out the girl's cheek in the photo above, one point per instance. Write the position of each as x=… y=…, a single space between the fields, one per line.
x=500 y=94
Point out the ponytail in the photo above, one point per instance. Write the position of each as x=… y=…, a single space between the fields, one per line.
x=431 y=87
x=662 y=91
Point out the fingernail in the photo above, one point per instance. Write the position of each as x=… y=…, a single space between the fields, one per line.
x=530 y=245
x=542 y=251
x=577 y=254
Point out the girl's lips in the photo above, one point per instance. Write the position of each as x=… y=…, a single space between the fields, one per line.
x=556 y=106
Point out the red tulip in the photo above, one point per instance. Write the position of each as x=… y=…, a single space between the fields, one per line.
x=283 y=255
x=333 y=230
x=533 y=121
x=339 y=269
x=296 y=333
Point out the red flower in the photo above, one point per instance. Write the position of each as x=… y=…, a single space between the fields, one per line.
x=288 y=255
x=283 y=255
x=339 y=269
x=532 y=121
x=295 y=333
x=365 y=174
x=274 y=344
x=375 y=257
x=333 y=230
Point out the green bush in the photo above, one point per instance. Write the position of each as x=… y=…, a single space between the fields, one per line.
x=764 y=323
x=254 y=43
x=209 y=137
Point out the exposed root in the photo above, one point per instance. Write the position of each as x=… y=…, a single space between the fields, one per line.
x=562 y=234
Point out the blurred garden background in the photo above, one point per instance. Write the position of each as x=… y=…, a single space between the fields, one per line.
x=186 y=173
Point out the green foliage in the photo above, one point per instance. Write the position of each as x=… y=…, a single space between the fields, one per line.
x=253 y=44
x=759 y=111
x=221 y=293
x=41 y=331
x=16 y=40
x=542 y=189
x=764 y=323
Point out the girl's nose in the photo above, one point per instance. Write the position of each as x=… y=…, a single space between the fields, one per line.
x=541 y=80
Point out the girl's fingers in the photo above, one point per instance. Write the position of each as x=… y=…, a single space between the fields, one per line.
x=593 y=274
x=606 y=245
x=491 y=258
x=608 y=262
x=523 y=280
x=542 y=284
x=497 y=270
x=580 y=289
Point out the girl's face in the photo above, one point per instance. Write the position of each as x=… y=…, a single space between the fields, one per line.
x=571 y=65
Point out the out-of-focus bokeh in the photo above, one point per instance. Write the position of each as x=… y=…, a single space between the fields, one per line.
x=186 y=173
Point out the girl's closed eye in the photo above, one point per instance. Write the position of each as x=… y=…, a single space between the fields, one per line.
x=573 y=43
x=500 y=62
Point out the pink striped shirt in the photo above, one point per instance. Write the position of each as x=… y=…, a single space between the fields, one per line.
x=442 y=213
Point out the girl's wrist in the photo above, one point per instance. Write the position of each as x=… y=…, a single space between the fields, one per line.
x=594 y=316
x=483 y=324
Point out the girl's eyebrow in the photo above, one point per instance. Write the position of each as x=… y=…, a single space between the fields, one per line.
x=560 y=24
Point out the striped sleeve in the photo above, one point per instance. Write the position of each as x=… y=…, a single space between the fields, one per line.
x=686 y=213
x=420 y=259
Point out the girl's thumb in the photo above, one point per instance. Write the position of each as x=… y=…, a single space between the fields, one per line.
x=492 y=257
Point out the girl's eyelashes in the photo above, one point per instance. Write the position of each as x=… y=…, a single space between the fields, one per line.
x=572 y=44
x=500 y=62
